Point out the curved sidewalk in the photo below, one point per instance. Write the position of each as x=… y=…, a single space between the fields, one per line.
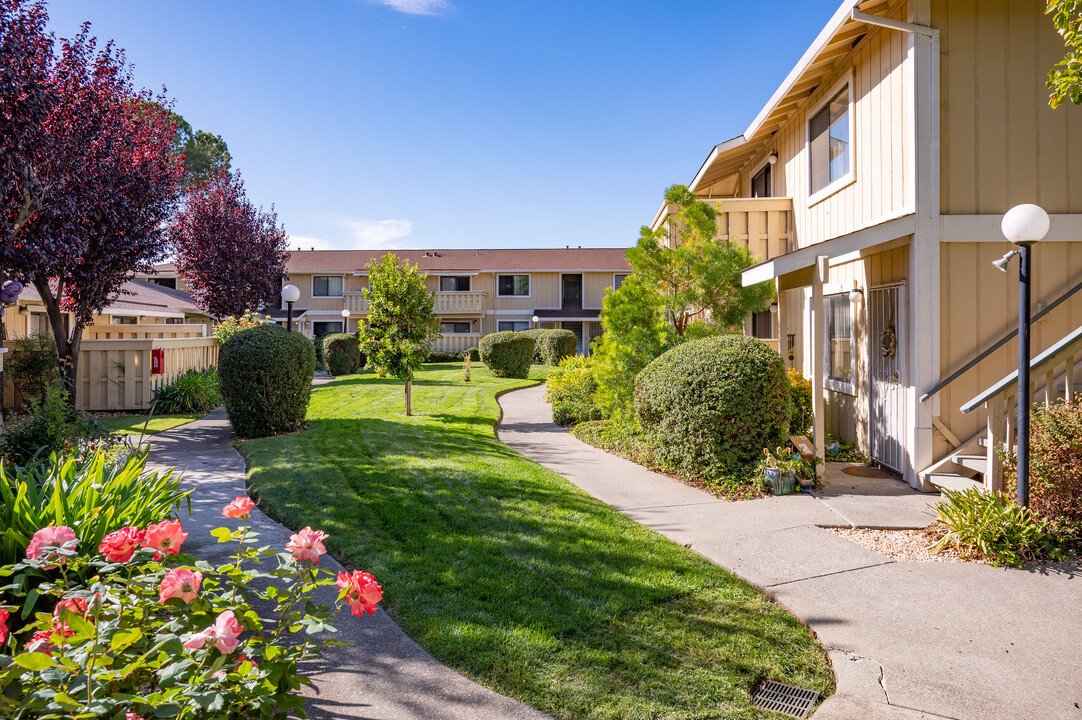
x=383 y=674
x=908 y=640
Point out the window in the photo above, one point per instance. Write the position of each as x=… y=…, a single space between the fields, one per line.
x=761 y=187
x=618 y=280
x=839 y=343
x=762 y=325
x=326 y=286
x=513 y=325
x=165 y=282
x=828 y=141
x=124 y=320
x=456 y=327
x=174 y=321
x=454 y=284
x=319 y=329
x=513 y=286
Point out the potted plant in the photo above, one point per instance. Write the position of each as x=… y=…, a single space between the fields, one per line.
x=780 y=470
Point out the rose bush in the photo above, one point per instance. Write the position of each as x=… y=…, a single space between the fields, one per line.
x=156 y=633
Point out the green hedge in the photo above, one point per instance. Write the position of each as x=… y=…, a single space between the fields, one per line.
x=342 y=354
x=552 y=346
x=535 y=335
x=474 y=353
x=571 y=387
x=710 y=406
x=444 y=356
x=507 y=354
x=265 y=376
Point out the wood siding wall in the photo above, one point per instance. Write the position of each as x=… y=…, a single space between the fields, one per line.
x=1001 y=143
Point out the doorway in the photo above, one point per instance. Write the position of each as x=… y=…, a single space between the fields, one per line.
x=572 y=292
x=887 y=376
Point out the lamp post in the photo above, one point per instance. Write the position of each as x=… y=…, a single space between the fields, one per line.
x=291 y=294
x=1023 y=225
x=536 y=321
x=345 y=320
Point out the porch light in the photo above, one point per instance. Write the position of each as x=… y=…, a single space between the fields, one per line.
x=773 y=308
x=772 y=158
x=856 y=295
x=291 y=294
x=345 y=320
x=1023 y=225
x=536 y=320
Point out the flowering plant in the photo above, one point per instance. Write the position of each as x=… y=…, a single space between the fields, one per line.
x=157 y=633
x=227 y=327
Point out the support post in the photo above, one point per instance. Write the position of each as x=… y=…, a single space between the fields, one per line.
x=289 y=316
x=1023 y=372
x=822 y=270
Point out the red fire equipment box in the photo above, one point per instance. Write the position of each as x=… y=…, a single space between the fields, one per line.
x=157 y=361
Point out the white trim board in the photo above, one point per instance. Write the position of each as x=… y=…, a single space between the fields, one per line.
x=986 y=229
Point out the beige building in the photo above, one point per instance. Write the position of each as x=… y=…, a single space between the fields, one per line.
x=873 y=184
x=477 y=291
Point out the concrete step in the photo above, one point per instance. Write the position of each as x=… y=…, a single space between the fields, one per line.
x=977 y=463
x=954 y=481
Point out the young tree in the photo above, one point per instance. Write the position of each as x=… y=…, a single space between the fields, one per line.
x=1065 y=79
x=232 y=254
x=87 y=173
x=693 y=273
x=401 y=321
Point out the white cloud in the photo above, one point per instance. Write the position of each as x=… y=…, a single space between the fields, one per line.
x=381 y=234
x=335 y=232
x=415 y=7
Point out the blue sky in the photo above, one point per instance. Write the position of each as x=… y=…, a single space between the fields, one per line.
x=460 y=123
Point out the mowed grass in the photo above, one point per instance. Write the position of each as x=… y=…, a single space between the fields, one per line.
x=511 y=575
x=133 y=424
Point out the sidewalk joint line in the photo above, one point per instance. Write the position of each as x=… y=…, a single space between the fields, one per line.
x=836 y=572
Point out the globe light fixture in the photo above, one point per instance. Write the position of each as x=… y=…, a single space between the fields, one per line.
x=291 y=294
x=856 y=295
x=536 y=321
x=345 y=320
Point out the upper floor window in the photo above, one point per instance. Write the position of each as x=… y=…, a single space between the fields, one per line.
x=829 y=141
x=513 y=286
x=169 y=282
x=618 y=280
x=454 y=284
x=124 y=320
x=326 y=286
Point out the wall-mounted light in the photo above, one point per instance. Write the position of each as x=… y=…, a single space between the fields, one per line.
x=773 y=308
x=1001 y=264
x=856 y=295
x=772 y=157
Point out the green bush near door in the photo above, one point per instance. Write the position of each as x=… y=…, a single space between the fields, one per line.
x=507 y=354
x=342 y=354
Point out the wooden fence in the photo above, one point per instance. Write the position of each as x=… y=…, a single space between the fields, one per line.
x=143 y=332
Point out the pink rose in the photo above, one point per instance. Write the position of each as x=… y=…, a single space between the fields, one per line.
x=180 y=583
x=42 y=640
x=4 y=614
x=56 y=537
x=362 y=592
x=239 y=508
x=223 y=633
x=75 y=605
x=307 y=545
x=132 y=716
x=165 y=537
x=120 y=545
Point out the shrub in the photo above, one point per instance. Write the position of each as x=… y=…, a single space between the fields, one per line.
x=230 y=326
x=712 y=405
x=507 y=354
x=154 y=633
x=192 y=392
x=535 y=334
x=342 y=354
x=50 y=426
x=265 y=374
x=474 y=353
x=33 y=365
x=556 y=345
x=443 y=356
x=571 y=387
x=800 y=394
x=1055 y=467
x=990 y=525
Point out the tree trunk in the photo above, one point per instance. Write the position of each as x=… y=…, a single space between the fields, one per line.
x=67 y=348
x=409 y=390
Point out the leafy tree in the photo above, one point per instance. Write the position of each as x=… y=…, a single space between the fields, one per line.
x=232 y=254
x=401 y=320
x=1065 y=78
x=693 y=273
x=205 y=154
x=87 y=173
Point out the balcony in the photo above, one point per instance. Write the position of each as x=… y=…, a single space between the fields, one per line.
x=765 y=225
x=447 y=303
x=456 y=342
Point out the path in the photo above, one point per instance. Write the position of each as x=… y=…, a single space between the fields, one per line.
x=908 y=640
x=382 y=675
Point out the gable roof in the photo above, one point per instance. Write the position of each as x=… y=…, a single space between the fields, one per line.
x=142 y=296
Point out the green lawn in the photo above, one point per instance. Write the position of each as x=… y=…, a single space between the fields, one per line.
x=511 y=575
x=133 y=424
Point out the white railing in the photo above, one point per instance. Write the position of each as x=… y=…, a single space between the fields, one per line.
x=143 y=332
x=456 y=342
x=764 y=225
x=447 y=303
x=356 y=302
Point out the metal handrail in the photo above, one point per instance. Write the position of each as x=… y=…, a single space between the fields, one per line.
x=1054 y=354
x=1002 y=341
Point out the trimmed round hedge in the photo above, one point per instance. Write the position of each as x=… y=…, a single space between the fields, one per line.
x=507 y=354
x=710 y=406
x=342 y=354
x=552 y=346
x=265 y=376
x=535 y=335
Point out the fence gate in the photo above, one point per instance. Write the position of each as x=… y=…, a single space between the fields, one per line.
x=886 y=373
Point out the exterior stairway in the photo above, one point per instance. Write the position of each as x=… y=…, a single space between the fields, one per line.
x=962 y=469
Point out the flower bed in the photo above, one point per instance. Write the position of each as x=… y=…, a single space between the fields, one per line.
x=156 y=633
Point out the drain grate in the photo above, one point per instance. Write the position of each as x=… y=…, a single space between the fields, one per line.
x=787 y=699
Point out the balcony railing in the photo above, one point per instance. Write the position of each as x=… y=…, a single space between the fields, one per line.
x=447 y=303
x=765 y=225
x=456 y=342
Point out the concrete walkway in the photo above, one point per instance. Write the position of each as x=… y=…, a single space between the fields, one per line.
x=907 y=640
x=382 y=675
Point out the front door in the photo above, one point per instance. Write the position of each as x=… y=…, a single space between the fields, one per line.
x=886 y=371
x=573 y=292
x=575 y=327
